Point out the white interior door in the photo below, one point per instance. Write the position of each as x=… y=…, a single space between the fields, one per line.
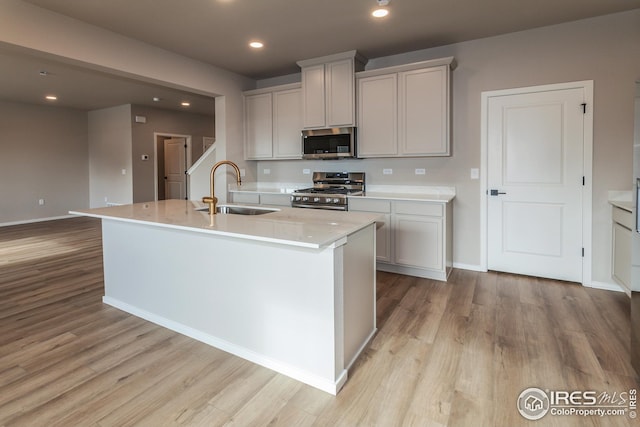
x=175 y=167
x=535 y=143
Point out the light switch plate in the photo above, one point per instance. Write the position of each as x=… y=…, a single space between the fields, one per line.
x=475 y=173
x=266 y=171
x=306 y=171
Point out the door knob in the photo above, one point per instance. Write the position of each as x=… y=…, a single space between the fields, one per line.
x=495 y=192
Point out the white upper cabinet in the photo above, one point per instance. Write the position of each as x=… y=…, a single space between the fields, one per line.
x=272 y=123
x=404 y=111
x=328 y=90
x=378 y=116
x=287 y=124
x=313 y=98
x=258 y=111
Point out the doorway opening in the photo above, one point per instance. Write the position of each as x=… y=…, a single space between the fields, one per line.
x=172 y=154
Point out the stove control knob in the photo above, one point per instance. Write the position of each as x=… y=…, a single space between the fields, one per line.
x=316 y=199
x=305 y=199
x=336 y=200
x=328 y=200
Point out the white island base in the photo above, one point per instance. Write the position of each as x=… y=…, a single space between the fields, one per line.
x=304 y=312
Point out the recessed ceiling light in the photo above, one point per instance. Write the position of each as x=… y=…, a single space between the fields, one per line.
x=156 y=99
x=256 y=44
x=185 y=104
x=51 y=97
x=380 y=13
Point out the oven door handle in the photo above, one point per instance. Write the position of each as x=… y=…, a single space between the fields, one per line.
x=327 y=207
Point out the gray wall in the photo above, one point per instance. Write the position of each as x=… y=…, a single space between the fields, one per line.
x=43 y=155
x=166 y=122
x=110 y=156
x=604 y=49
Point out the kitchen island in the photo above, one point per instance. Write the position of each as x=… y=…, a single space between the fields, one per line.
x=292 y=290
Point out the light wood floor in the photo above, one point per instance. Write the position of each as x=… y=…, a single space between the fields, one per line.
x=446 y=354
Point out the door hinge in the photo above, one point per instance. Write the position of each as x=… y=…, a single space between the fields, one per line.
x=583 y=180
x=582 y=252
x=185 y=145
x=584 y=108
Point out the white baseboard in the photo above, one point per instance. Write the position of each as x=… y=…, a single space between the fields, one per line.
x=605 y=286
x=331 y=387
x=30 y=221
x=471 y=267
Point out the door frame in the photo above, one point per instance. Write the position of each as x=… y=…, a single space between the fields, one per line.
x=155 y=158
x=587 y=189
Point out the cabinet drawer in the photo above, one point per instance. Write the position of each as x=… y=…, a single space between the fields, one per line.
x=275 y=199
x=419 y=208
x=252 y=198
x=623 y=217
x=368 y=205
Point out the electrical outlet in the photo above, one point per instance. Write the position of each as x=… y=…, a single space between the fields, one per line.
x=266 y=171
x=306 y=171
x=475 y=173
x=387 y=171
x=41 y=202
x=421 y=171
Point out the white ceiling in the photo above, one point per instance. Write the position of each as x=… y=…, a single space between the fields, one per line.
x=218 y=31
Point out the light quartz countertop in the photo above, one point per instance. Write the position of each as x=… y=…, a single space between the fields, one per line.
x=621 y=199
x=310 y=228
x=387 y=192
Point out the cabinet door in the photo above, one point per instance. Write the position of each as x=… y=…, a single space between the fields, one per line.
x=621 y=260
x=258 y=126
x=383 y=240
x=287 y=124
x=424 y=112
x=340 y=93
x=378 y=116
x=418 y=241
x=313 y=96
x=383 y=233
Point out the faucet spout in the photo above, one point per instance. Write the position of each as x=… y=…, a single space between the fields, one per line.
x=212 y=200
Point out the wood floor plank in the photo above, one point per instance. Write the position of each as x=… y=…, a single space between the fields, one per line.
x=446 y=354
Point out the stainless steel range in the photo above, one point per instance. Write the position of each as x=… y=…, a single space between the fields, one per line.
x=329 y=191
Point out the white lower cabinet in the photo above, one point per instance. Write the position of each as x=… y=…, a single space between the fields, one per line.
x=418 y=241
x=383 y=233
x=416 y=238
x=621 y=247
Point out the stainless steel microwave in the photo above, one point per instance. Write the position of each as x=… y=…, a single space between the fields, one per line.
x=332 y=143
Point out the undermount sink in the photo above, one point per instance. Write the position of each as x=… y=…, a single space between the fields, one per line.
x=240 y=210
